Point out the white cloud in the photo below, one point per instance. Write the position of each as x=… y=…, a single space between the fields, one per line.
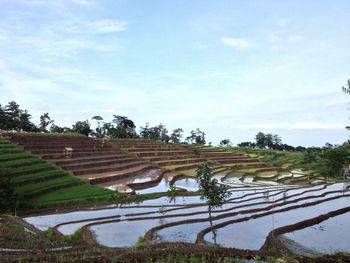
x=293 y=125
x=98 y=26
x=238 y=43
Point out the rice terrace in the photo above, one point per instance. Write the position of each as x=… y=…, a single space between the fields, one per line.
x=174 y=131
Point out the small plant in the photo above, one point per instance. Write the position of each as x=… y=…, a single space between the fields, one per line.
x=172 y=190
x=214 y=193
x=140 y=241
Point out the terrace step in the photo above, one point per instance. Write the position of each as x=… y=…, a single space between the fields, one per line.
x=61 y=147
x=159 y=153
x=180 y=161
x=228 y=157
x=182 y=167
x=88 y=158
x=235 y=161
x=100 y=178
x=56 y=155
x=98 y=163
x=108 y=168
x=215 y=154
x=167 y=157
x=153 y=149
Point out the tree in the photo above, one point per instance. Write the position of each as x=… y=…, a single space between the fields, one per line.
x=192 y=137
x=125 y=128
x=276 y=142
x=145 y=131
x=260 y=140
x=200 y=137
x=176 y=135
x=225 y=142
x=157 y=133
x=213 y=193
x=82 y=127
x=98 y=133
x=197 y=137
x=335 y=159
x=45 y=121
x=15 y=119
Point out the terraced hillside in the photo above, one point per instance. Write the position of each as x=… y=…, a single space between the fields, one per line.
x=39 y=182
x=147 y=166
x=232 y=168
x=95 y=161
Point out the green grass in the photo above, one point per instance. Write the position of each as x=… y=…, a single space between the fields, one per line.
x=42 y=183
x=21 y=162
x=75 y=194
x=32 y=187
x=13 y=156
x=39 y=175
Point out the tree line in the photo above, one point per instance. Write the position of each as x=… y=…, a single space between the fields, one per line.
x=270 y=141
x=15 y=119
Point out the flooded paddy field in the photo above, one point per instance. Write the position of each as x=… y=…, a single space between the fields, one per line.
x=243 y=222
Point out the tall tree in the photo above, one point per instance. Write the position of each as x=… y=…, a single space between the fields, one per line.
x=176 y=135
x=260 y=140
x=200 y=137
x=45 y=121
x=125 y=128
x=276 y=141
x=98 y=133
x=192 y=137
x=145 y=131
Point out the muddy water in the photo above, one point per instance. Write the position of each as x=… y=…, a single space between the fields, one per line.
x=327 y=237
x=252 y=234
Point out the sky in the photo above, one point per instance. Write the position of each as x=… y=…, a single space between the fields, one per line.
x=231 y=67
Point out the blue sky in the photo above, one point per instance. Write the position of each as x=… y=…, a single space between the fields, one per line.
x=231 y=68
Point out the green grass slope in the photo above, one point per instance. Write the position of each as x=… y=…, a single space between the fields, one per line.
x=39 y=183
